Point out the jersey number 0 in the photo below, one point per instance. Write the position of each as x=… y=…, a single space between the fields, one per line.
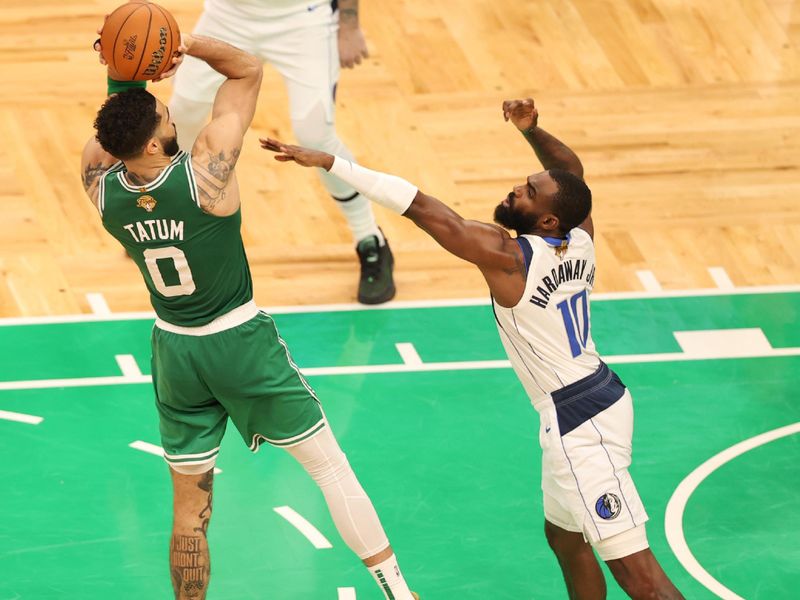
x=185 y=285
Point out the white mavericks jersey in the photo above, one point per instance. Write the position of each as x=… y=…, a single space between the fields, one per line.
x=547 y=335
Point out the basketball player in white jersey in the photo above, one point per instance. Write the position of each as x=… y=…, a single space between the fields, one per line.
x=540 y=283
x=306 y=41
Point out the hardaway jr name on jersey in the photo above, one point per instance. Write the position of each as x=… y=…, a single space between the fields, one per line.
x=569 y=270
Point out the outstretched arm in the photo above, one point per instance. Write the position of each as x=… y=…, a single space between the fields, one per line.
x=489 y=247
x=551 y=152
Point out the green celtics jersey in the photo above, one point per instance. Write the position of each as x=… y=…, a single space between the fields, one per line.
x=193 y=263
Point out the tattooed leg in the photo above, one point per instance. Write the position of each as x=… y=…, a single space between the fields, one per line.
x=189 y=560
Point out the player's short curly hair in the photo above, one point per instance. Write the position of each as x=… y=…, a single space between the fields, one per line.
x=572 y=202
x=126 y=121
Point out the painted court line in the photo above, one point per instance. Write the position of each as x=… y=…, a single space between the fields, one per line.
x=673 y=518
x=408 y=353
x=410 y=304
x=312 y=534
x=155 y=450
x=404 y=368
x=347 y=593
x=649 y=281
x=128 y=365
x=720 y=277
x=98 y=304
x=20 y=417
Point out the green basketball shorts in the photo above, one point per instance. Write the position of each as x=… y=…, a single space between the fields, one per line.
x=204 y=375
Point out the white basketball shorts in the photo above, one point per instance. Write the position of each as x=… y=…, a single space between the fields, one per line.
x=585 y=434
x=301 y=45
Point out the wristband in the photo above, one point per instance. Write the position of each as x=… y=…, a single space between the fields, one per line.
x=115 y=87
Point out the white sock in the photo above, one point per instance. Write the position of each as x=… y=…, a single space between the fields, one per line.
x=389 y=578
x=360 y=218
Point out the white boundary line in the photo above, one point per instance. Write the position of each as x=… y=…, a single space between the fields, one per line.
x=401 y=304
x=311 y=533
x=7 y=415
x=673 y=517
x=347 y=593
x=472 y=365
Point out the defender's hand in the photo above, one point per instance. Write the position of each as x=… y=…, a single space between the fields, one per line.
x=352 y=46
x=305 y=157
x=522 y=113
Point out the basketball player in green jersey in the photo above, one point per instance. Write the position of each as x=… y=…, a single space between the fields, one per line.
x=215 y=355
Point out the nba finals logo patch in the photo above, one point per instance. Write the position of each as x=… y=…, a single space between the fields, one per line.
x=608 y=506
x=146 y=202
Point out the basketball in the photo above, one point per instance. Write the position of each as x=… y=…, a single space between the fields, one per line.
x=139 y=40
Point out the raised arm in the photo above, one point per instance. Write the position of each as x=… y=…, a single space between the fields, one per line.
x=551 y=152
x=489 y=247
x=219 y=144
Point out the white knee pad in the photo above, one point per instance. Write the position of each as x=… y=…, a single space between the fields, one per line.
x=190 y=117
x=623 y=544
x=352 y=511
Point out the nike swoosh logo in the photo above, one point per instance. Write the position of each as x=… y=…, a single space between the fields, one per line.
x=547 y=430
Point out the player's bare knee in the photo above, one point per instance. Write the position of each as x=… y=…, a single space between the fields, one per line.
x=560 y=540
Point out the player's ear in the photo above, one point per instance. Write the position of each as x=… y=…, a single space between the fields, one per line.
x=549 y=222
x=152 y=147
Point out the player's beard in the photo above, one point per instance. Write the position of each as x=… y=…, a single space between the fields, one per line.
x=512 y=219
x=170 y=145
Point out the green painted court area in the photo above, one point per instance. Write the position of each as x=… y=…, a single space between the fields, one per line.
x=449 y=455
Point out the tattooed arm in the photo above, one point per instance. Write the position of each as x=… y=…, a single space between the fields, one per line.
x=94 y=162
x=217 y=148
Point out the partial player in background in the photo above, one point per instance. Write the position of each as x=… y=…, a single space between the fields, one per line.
x=215 y=355
x=540 y=283
x=306 y=41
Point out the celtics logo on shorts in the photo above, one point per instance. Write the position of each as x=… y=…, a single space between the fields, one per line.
x=608 y=506
x=146 y=202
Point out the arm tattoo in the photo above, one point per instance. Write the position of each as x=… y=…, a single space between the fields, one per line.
x=519 y=267
x=212 y=177
x=92 y=173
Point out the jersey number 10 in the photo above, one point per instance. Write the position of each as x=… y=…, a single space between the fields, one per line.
x=575 y=312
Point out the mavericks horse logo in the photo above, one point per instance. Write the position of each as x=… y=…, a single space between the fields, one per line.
x=608 y=506
x=146 y=202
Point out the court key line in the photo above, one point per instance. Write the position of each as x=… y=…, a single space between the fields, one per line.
x=718 y=353
x=673 y=517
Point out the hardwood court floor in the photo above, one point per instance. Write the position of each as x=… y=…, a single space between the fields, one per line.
x=685 y=114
